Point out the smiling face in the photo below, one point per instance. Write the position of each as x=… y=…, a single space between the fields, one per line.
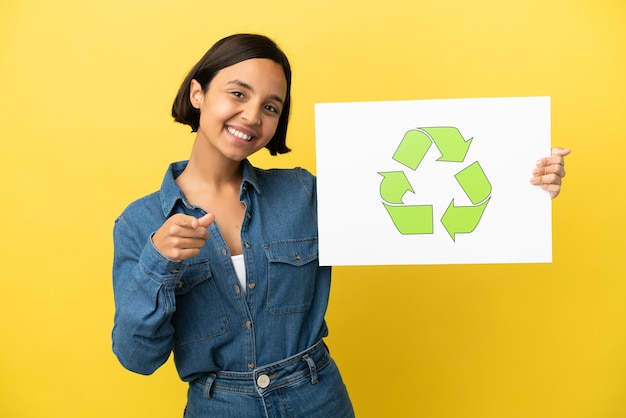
x=241 y=108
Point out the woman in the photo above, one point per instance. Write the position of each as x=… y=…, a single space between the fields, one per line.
x=220 y=265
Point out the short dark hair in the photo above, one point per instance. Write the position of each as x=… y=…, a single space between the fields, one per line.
x=224 y=53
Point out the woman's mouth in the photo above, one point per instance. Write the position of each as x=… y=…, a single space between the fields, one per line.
x=239 y=134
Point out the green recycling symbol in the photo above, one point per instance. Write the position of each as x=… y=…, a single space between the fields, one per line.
x=418 y=219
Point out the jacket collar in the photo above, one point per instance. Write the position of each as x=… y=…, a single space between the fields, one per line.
x=171 y=193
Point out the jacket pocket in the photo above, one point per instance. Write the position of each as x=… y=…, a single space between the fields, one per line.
x=292 y=271
x=200 y=313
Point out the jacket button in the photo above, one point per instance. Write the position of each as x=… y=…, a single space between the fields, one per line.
x=251 y=285
x=248 y=324
x=250 y=366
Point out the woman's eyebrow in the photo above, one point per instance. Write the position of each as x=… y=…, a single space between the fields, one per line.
x=248 y=87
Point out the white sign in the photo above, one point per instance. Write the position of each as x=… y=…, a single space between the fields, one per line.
x=433 y=181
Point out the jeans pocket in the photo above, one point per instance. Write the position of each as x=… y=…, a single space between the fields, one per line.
x=292 y=271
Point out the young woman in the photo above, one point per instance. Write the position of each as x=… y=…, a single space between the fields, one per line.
x=220 y=265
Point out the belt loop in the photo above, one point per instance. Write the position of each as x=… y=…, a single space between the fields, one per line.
x=210 y=378
x=312 y=368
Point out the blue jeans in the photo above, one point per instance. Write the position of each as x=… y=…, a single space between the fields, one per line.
x=307 y=385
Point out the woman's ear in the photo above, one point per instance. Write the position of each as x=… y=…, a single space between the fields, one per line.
x=196 y=94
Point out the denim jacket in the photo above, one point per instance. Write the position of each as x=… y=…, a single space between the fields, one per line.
x=196 y=307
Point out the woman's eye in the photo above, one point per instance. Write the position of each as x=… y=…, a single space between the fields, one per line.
x=271 y=108
x=237 y=94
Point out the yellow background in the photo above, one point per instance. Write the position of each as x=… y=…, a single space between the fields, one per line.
x=85 y=93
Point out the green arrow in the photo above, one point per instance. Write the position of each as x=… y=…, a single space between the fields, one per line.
x=394 y=186
x=412 y=149
x=474 y=183
x=450 y=142
x=412 y=219
x=462 y=219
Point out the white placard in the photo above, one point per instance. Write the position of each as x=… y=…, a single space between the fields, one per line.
x=432 y=181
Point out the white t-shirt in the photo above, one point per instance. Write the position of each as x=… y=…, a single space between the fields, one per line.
x=240 y=269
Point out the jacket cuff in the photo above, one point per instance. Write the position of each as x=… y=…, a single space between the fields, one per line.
x=159 y=267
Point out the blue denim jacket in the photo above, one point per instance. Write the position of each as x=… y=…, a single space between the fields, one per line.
x=196 y=307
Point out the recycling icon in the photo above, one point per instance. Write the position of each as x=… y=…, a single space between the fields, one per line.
x=419 y=219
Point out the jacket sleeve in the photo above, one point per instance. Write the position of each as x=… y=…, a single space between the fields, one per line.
x=143 y=287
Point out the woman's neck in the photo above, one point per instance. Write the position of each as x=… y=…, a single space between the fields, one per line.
x=209 y=168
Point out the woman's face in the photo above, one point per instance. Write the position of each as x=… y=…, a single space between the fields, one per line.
x=241 y=108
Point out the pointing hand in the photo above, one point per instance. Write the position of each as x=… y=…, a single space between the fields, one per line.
x=182 y=236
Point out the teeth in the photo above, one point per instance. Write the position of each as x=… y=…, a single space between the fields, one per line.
x=239 y=134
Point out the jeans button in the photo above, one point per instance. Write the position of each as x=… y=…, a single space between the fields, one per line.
x=263 y=381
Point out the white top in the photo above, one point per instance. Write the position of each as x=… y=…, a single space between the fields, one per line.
x=240 y=269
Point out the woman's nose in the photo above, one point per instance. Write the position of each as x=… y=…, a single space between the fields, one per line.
x=251 y=114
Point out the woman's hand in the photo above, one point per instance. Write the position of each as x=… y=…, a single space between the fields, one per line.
x=182 y=236
x=550 y=171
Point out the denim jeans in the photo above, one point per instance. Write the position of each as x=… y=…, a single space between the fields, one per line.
x=307 y=385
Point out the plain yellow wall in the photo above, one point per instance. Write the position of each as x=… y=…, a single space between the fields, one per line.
x=85 y=92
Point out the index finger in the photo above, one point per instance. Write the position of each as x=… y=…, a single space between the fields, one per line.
x=557 y=157
x=185 y=221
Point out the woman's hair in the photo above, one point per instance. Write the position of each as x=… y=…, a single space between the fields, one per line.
x=226 y=52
